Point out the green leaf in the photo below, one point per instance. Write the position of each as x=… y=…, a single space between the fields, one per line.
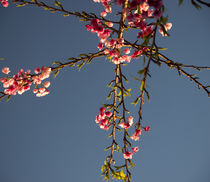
x=80 y=65
x=67 y=14
x=117 y=148
x=103 y=168
x=126 y=80
x=19 y=5
x=162 y=48
x=136 y=101
x=164 y=20
x=131 y=164
x=109 y=96
x=142 y=85
x=196 y=5
x=127 y=91
x=56 y=62
x=82 y=55
x=56 y=73
x=144 y=59
x=8 y=98
x=110 y=84
x=119 y=167
x=137 y=79
x=107 y=105
x=122 y=174
x=148 y=97
x=106 y=177
x=140 y=72
x=110 y=135
x=119 y=93
x=180 y=2
x=118 y=175
x=108 y=148
x=57 y=3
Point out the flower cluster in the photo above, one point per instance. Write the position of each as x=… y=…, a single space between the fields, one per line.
x=102 y=119
x=107 y=6
x=167 y=27
x=136 y=134
x=127 y=124
x=128 y=155
x=136 y=13
x=112 y=45
x=22 y=81
x=4 y=3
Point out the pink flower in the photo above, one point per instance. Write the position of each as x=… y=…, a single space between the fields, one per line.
x=127 y=50
x=135 y=149
x=20 y=72
x=106 y=51
x=100 y=46
x=138 y=132
x=109 y=24
x=135 y=136
x=42 y=90
x=103 y=118
x=103 y=13
x=136 y=53
x=125 y=125
x=127 y=155
x=102 y=110
x=147 y=128
x=144 y=7
x=35 y=91
x=46 y=84
x=27 y=87
x=5 y=70
x=4 y=3
x=108 y=114
x=130 y=120
x=167 y=27
x=3 y=80
x=37 y=70
x=108 y=9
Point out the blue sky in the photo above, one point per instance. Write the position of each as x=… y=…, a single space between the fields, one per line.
x=55 y=138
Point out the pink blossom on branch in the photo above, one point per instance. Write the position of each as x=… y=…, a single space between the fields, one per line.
x=147 y=128
x=4 y=3
x=135 y=136
x=5 y=70
x=102 y=119
x=127 y=124
x=167 y=27
x=22 y=81
x=135 y=149
x=128 y=155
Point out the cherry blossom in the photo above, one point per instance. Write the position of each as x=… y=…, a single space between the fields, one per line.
x=147 y=128
x=128 y=155
x=22 y=81
x=167 y=27
x=135 y=149
x=102 y=119
x=4 y=3
x=135 y=136
x=5 y=70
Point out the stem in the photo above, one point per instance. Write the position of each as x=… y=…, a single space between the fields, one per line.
x=145 y=78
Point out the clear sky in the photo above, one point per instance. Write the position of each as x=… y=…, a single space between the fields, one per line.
x=55 y=138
